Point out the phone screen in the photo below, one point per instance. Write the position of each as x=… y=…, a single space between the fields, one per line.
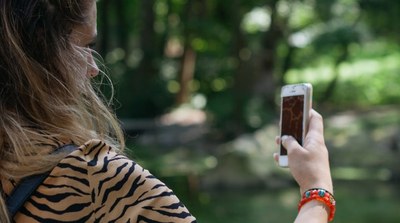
x=292 y=118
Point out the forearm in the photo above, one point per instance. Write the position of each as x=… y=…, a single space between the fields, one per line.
x=313 y=212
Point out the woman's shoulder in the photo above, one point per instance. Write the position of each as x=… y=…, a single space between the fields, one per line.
x=95 y=147
x=96 y=182
x=92 y=153
x=121 y=189
x=97 y=157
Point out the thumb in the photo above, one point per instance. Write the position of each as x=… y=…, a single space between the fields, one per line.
x=290 y=143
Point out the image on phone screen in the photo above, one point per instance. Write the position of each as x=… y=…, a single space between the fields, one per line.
x=292 y=118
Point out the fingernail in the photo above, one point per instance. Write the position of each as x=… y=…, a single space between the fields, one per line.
x=284 y=138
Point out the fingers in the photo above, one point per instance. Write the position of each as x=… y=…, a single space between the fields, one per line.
x=278 y=140
x=315 y=134
x=290 y=143
x=316 y=125
x=276 y=157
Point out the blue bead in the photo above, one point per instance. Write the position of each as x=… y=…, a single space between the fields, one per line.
x=321 y=193
x=308 y=194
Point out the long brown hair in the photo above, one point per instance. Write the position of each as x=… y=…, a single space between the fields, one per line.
x=42 y=90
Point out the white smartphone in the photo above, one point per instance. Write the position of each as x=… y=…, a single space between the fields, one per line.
x=295 y=112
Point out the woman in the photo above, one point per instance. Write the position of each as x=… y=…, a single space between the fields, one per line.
x=47 y=101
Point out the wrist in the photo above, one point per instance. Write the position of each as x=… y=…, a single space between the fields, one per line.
x=327 y=185
x=320 y=197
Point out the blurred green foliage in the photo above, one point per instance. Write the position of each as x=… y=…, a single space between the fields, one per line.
x=231 y=57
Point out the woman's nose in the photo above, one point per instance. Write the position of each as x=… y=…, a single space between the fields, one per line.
x=93 y=69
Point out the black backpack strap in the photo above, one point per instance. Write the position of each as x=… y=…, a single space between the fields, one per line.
x=29 y=184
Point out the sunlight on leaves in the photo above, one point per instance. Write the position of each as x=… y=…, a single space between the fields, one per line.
x=257 y=20
x=173 y=86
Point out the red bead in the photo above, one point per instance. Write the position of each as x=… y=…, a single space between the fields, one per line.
x=320 y=195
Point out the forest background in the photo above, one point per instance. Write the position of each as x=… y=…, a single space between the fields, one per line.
x=197 y=89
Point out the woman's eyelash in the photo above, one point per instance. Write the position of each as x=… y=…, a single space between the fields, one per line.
x=91 y=45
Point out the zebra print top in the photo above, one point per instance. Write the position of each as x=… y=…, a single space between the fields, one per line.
x=96 y=184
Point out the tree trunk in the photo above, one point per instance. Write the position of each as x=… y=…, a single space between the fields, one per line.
x=265 y=85
x=286 y=65
x=195 y=9
x=148 y=45
x=330 y=89
x=141 y=81
x=122 y=27
x=242 y=77
x=186 y=75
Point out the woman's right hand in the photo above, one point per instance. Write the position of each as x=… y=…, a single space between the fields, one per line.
x=309 y=164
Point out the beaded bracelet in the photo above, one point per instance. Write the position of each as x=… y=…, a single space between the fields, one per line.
x=321 y=195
